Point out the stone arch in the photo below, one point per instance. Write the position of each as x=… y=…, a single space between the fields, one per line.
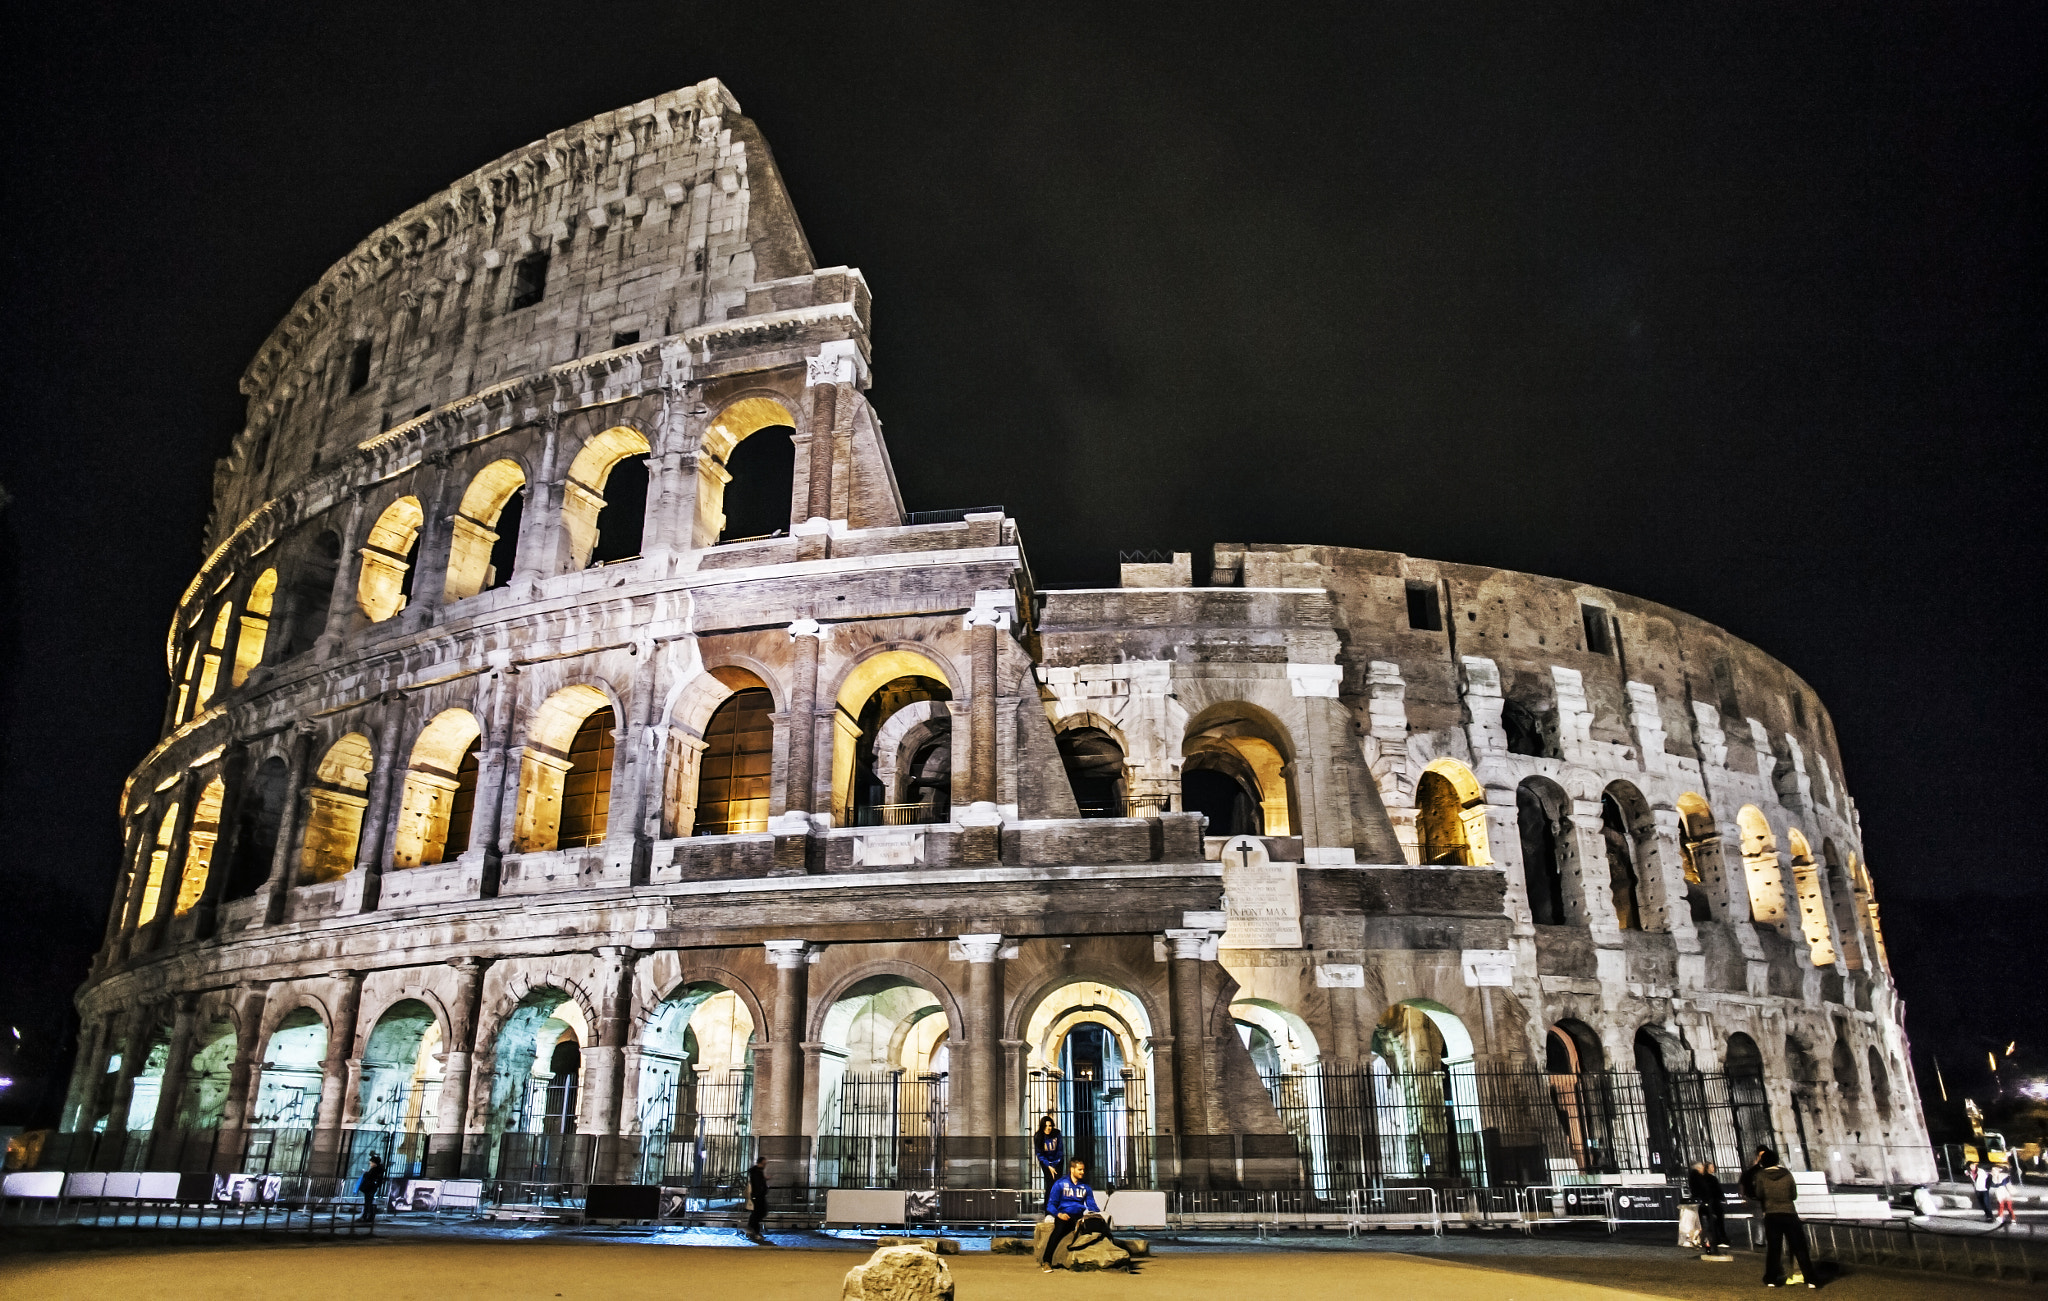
x=200 y=839
x=1841 y=894
x=1842 y=1064
x=255 y=630
x=690 y=974
x=913 y=761
x=440 y=791
x=1450 y=816
x=868 y=673
x=1813 y=910
x=1629 y=833
x=1425 y=1085
x=583 y=490
x=886 y=1030
x=290 y=1071
x=1099 y=971
x=314 y=574
x=516 y=991
x=1294 y=1047
x=719 y=775
x=1762 y=873
x=1880 y=1083
x=210 y=1069
x=741 y=416
x=540 y=1015
x=480 y=554
x=1095 y=758
x=384 y=586
x=1543 y=821
x=691 y=1099
x=1250 y=747
x=892 y=968
x=567 y=745
x=398 y=1086
x=335 y=799
x=1699 y=847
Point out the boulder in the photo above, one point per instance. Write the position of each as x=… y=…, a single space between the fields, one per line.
x=942 y=1246
x=899 y=1274
x=1008 y=1247
x=1084 y=1249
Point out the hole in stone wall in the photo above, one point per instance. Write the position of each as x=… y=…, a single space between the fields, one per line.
x=763 y=470
x=625 y=338
x=1599 y=636
x=624 y=517
x=1424 y=611
x=529 y=280
x=359 y=366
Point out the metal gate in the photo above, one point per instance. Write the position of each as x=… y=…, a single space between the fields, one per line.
x=1106 y=1123
x=884 y=1130
x=697 y=1131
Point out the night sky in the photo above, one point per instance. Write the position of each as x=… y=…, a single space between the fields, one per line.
x=1734 y=308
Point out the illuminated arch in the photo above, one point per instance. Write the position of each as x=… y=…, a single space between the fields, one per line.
x=732 y=425
x=583 y=493
x=558 y=748
x=1250 y=749
x=1761 y=870
x=386 y=581
x=199 y=845
x=335 y=800
x=474 y=535
x=1450 y=816
x=159 y=860
x=1813 y=908
x=255 y=627
x=867 y=676
x=440 y=791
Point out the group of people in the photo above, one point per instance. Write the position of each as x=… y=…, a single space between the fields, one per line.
x=1993 y=1185
x=1770 y=1188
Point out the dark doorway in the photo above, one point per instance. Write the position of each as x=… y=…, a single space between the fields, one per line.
x=763 y=469
x=624 y=517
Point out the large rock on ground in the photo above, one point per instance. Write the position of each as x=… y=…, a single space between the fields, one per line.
x=899 y=1274
x=1082 y=1250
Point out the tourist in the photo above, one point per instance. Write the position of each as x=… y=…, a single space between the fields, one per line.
x=1051 y=1151
x=1069 y=1200
x=1704 y=1187
x=1998 y=1188
x=757 y=1200
x=1980 y=1179
x=371 y=1184
x=1776 y=1195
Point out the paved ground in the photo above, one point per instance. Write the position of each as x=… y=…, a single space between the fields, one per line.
x=573 y=1268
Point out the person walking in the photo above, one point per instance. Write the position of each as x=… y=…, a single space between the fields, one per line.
x=757 y=1200
x=1051 y=1150
x=1704 y=1187
x=370 y=1185
x=1070 y=1199
x=1999 y=1189
x=1777 y=1195
x=1980 y=1180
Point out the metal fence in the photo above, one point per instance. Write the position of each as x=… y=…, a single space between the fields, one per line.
x=884 y=1129
x=696 y=1131
x=1105 y=1122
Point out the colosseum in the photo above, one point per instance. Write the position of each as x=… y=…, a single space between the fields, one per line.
x=580 y=767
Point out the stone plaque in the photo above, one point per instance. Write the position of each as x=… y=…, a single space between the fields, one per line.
x=1340 y=975
x=1261 y=898
x=889 y=849
x=1491 y=967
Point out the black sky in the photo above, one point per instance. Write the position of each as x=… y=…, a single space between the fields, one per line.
x=1738 y=308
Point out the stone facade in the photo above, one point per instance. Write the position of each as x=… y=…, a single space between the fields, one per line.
x=475 y=821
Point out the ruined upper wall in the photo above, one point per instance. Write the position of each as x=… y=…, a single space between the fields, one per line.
x=653 y=219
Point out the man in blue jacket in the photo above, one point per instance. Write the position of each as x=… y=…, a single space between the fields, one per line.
x=1069 y=1201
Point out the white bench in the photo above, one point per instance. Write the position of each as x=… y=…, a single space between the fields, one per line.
x=865 y=1206
x=1133 y=1208
x=36 y=1185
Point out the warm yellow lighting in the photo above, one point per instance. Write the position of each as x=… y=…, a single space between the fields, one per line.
x=387 y=556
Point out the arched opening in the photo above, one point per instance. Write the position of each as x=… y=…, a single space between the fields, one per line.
x=216 y=650
x=566 y=774
x=1528 y=728
x=872 y=693
x=1666 y=1152
x=1221 y=786
x=1813 y=908
x=1284 y=1050
x=255 y=627
x=1094 y=763
x=440 y=791
x=1749 y=1108
x=335 y=800
x=1843 y=1063
x=288 y=1092
x=140 y=1121
x=207 y=1080
x=1088 y=1063
x=1428 y=1094
x=1450 y=816
x=757 y=497
x=258 y=822
x=1699 y=844
x=1245 y=746
x=1841 y=895
x=1880 y=1083
x=913 y=762
x=388 y=555
x=536 y=1082
x=1802 y=1069
x=763 y=473
x=484 y=540
x=400 y=1090
x=1629 y=834
x=1581 y=1095
x=604 y=499
x=1761 y=871
x=882 y=1086
x=159 y=861
x=1543 y=823
x=312 y=592
x=199 y=842
x=696 y=1089
x=719 y=779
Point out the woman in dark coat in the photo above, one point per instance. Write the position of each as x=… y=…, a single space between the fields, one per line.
x=1051 y=1151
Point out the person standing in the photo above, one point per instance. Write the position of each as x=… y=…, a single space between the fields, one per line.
x=1777 y=1196
x=1069 y=1200
x=1980 y=1180
x=1999 y=1189
x=370 y=1185
x=757 y=1200
x=1704 y=1187
x=1051 y=1151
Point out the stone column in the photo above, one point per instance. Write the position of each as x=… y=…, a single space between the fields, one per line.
x=152 y=937
x=243 y=1077
x=360 y=893
x=540 y=523
x=86 y=1069
x=820 y=437
x=782 y=1128
x=1185 y=980
x=983 y=1032
x=283 y=869
x=638 y=738
x=800 y=786
x=348 y=580
x=990 y=614
x=134 y=1051
x=165 y=1133
x=604 y=1073
x=131 y=902
x=335 y=1075
x=451 y=1113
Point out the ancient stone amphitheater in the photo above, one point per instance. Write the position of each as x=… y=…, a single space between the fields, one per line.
x=580 y=767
